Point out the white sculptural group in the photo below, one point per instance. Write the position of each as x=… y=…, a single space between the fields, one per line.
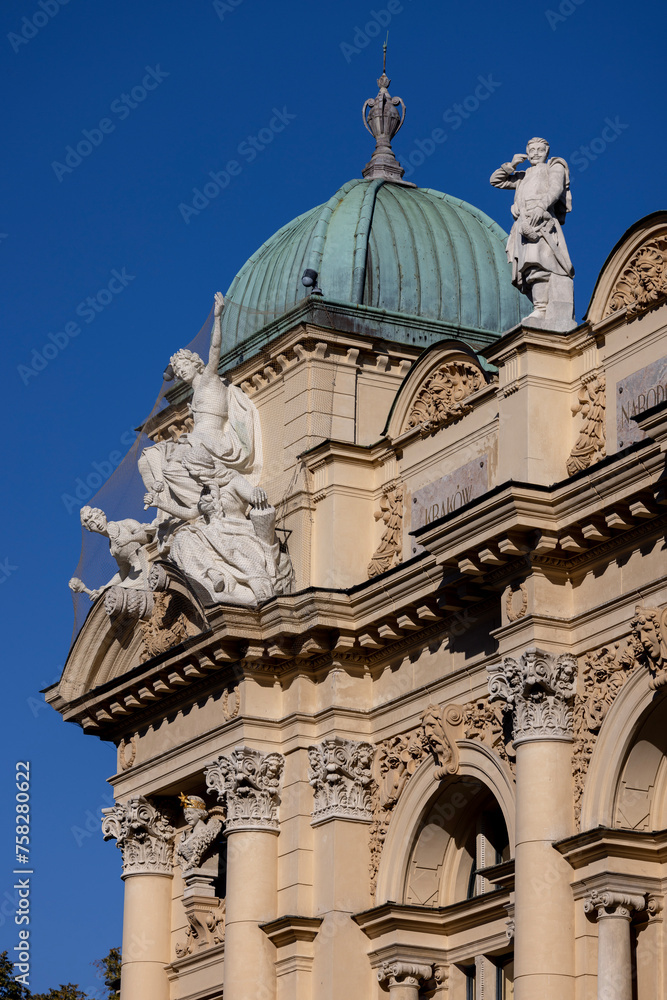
x=541 y=265
x=214 y=522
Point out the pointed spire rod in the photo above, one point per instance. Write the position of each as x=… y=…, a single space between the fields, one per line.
x=382 y=119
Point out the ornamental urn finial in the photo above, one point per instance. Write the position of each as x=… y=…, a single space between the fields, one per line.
x=382 y=119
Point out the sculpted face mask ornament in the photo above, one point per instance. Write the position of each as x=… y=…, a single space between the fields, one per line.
x=536 y=249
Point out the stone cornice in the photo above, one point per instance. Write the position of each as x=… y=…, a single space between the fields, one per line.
x=466 y=915
x=603 y=843
x=290 y=929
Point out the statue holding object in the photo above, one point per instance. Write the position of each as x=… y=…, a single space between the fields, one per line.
x=536 y=249
x=214 y=522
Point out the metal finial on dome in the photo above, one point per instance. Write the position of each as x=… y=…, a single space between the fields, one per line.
x=383 y=122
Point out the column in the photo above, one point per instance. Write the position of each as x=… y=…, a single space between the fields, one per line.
x=248 y=782
x=341 y=777
x=614 y=913
x=145 y=838
x=403 y=979
x=538 y=689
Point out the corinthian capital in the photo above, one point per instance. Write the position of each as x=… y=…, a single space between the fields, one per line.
x=391 y=974
x=613 y=904
x=143 y=834
x=248 y=784
x=341 y=776
x=538 y=689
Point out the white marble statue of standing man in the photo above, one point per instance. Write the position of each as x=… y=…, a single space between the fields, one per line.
x=536 y=249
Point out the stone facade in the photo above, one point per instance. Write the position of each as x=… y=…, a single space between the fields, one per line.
x=436 y=762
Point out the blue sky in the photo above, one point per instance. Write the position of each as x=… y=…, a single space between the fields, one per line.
x=102 y=264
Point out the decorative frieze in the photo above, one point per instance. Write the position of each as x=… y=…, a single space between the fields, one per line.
x=396 y=761
x=440 y=400
x=248 y=784
x=649 y=643
x=143 y=834
x=642 y=284
x=341 y=777
x=591 y=442
x=538 y=689
x=389 y=551
x=516 y=609
x=438 y=737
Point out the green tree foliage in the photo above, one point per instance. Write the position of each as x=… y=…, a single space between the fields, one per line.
x=108 y=969
x=66 y=991
x=9 y=988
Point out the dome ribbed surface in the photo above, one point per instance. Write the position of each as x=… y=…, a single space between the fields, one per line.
x=406 y=250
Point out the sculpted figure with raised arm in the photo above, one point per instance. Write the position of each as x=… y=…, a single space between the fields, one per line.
x=536 y=249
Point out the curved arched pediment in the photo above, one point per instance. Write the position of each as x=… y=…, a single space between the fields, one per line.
x=126 y=627
x=436 y=389
x=632 y=741
x=634 y=276
x=477 y=762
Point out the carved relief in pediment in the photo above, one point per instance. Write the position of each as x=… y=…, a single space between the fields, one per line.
x=441 y=398
x=642 y=284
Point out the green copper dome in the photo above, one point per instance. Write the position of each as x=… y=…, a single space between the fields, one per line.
x=383 y=249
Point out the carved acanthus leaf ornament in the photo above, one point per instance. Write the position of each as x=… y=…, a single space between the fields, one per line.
x=206 y=927
x=389 y=551
x=603 y=674
x=143 y=834
x=396 y=760
x=484 y=722
x=538 y=689
x=248 y=784
x=590 y=445
x=440 y=400
x=341 y=777
x=643 y=282
x=438 y=737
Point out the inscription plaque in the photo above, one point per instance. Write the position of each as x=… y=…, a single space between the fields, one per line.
x=448 y=494
x=635 y=394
